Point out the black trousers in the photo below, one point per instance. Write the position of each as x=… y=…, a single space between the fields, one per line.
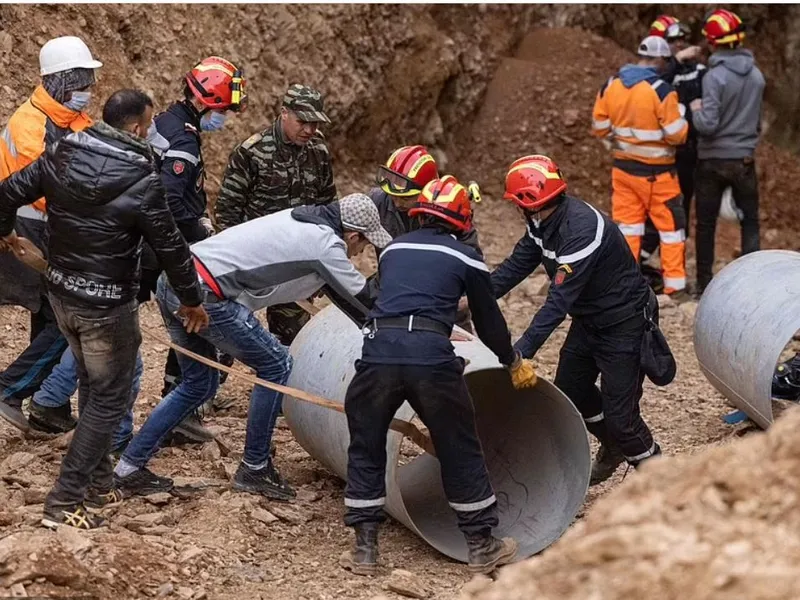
x=685 y=163
x=105 y=343
x=611 y=412
x=23 y=377
x=439 y=395
x=713 y=176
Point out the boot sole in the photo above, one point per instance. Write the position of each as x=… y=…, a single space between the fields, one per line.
x=272 y=495
x=46 y=427
x=357 y=569
x=14 y=417
x=502 y=559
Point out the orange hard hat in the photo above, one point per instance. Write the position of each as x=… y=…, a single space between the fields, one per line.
x=533 y=182
x=445 y=199
x=407 y=171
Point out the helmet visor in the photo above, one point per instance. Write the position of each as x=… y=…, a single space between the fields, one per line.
x=393 y=183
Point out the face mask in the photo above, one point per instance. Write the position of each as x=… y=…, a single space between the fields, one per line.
x=155 y=139
x=79 y=101
x=212 y=121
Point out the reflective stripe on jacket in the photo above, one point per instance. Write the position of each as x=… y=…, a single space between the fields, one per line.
x=39 y=122
x=643 y=122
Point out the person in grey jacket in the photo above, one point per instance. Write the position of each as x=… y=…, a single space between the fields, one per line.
x=280 y=258
x=728 y=124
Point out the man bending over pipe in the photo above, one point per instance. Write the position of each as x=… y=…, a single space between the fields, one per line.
x=407 y=355
x=597 y=281
x=276 y=259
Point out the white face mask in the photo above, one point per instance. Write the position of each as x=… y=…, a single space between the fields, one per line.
x=79 y=101
x=155 y=139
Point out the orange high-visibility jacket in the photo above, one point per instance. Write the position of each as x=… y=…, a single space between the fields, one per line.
x=39 y=122
x=643 y=122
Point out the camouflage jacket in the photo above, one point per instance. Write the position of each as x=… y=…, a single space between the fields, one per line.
x=267 y=174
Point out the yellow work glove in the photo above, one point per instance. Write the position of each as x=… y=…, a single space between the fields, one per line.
x=523 y=375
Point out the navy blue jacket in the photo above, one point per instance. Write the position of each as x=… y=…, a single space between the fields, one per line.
x=424 y=273
x=593 y=275
x=182 y=170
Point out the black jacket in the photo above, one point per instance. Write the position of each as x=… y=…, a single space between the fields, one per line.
x=687 y=79
x=424 y=273
x=594 y=276
x=103 y=195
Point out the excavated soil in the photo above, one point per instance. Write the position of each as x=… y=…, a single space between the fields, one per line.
x=717 y=525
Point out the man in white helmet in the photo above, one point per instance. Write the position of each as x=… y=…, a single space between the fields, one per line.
x=55 y=109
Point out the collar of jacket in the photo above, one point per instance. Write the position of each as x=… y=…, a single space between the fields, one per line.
x=123 y=140
x=550 y=226
x=328 y=214
x=186 y=111
x=59 y=114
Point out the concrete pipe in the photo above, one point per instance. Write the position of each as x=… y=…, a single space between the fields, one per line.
x=746 y=316
x=535 y=442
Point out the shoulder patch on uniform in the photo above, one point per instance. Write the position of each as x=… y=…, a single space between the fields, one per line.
x=253 y=139
x=561 y=274
x=178 y=167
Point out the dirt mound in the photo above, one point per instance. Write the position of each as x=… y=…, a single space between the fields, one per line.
x=719 y=525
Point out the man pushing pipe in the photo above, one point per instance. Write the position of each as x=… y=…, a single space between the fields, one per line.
x=407 y=355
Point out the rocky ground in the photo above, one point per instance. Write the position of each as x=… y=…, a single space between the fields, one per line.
x=212 y=543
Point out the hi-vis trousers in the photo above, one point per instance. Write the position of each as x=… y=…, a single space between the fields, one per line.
x=634 y=198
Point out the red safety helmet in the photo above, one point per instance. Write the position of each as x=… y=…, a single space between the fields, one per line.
x=407 y=171
x=661 y=24
x=722 y=28
x=445 y=199
x=533 y=182
x=218 y=84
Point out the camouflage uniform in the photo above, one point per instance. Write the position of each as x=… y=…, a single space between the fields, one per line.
x=266 y=173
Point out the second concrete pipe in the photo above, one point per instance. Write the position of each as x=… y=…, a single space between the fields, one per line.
x=535 y=442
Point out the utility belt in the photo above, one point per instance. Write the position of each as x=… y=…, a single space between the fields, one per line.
x=410 y=323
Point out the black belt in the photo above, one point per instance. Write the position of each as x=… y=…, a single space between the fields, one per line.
x=410 y=323
x=210 y=296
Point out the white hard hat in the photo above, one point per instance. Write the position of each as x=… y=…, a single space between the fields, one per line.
x=728 y=210
x=65 y=53
x=654 y=47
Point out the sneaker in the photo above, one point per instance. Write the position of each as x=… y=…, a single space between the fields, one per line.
x=98 y=501
x=266 y=481
x=77 y=517
x=605 y=462
x=142 y=482
x=51 y=420
x=485 y=552
x=13 y=415
x=191 y=429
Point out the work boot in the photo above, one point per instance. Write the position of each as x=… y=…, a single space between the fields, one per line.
x=13 y=415
x=608 y=458
x=49 y=419
x=76 y=516
x=191 y=431
x=142 y=482
x=485 y=552
x=680 y=296
x=265 y=481
x=363 y=558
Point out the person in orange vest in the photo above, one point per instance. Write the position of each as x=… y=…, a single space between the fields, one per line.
x=638 y=113
x=55 y=109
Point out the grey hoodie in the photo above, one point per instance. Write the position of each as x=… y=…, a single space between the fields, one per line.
x=730 y=120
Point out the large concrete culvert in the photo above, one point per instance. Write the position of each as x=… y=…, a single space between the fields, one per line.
x=746 y=317
x=535 y=442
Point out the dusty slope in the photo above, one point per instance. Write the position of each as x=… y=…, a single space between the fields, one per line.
x=720 y=525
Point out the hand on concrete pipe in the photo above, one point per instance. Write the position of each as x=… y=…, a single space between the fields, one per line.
x=523 y=373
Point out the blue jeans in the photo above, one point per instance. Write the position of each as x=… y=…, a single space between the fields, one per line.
x=236 y=331
x=57 y=389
